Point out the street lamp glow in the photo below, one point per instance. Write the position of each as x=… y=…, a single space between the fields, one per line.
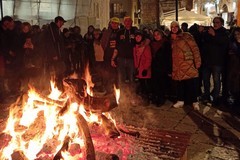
x=209 y=5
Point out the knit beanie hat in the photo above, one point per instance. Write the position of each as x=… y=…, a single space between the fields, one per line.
x=174 y=23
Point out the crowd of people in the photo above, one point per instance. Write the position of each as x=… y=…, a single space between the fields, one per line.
x=193 y=64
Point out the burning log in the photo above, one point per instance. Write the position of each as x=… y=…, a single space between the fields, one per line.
x=103 y=104
x=4 y=139
x=41 y=100
x=76 y=87
x=64 y=147
x=41 y=103
x=36 y=129
x=18 y=155
x=83 y=126
x=106 y=156
x=131 y=133
x=74 y=149
x=109 y=127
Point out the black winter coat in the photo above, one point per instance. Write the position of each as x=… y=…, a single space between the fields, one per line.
x=215 y=48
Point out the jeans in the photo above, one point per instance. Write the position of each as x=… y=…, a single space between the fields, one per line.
x=216 y=72
x=126 y=69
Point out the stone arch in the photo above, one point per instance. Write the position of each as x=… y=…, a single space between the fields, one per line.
x=224 y=5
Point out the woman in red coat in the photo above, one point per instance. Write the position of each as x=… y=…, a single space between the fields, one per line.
x=142 y=62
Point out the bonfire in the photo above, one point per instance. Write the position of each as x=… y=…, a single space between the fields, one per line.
x=56 y=126
x=76 y=124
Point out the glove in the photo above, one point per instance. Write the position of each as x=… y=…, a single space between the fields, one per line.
x=144 y=73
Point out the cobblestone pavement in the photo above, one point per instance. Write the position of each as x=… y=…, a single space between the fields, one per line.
x=214 y=131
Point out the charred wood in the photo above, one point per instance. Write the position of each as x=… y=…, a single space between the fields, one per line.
x=18 y=155
x=76 y=87
x=83 y=126
x=109 y=127
x=64 y=147
x=74 y=149
x=131 y=133
x=103 y=104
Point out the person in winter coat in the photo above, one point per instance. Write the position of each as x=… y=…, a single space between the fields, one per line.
x=26 y=56
x=88 y=37
x=142 y=63
x=69 y=49
x=109 y=42
x=98 y=59
x=125 y=43
x=233 y=69
x=10 y=57
x=54 y=50
x=161 y=66
x=185 y=63
x=215 y=43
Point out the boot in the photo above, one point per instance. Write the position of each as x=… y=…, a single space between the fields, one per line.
x=179 y=104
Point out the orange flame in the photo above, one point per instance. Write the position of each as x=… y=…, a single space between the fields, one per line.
x=24 y=125
x=38 y=123
x=117 y=94
x=87 y=77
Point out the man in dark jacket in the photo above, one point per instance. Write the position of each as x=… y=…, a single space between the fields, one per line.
x=125 y=44
x=10 y=65
x=108 y=43
x=54 y=50
x=214 y=51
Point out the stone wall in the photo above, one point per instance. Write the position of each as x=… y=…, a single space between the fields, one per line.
x=149 y=10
